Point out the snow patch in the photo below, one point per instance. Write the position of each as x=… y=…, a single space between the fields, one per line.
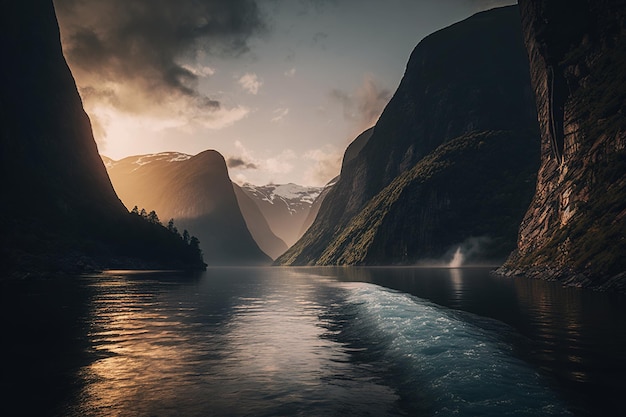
x=163 y=156
x=290 y=194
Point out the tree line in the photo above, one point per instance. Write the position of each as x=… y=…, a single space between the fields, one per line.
x=152 y=217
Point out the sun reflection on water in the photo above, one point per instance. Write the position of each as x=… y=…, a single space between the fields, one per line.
x=268 y=348
x=288 y=341
x=140 y=350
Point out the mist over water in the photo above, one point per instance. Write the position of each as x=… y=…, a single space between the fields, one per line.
x=319 y=341
x=457 y=259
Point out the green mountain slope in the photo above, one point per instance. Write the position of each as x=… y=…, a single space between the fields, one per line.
x=463 y=82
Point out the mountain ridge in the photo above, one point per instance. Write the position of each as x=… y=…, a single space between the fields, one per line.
x=197 y=193
x=285 y=206
x=468 y=78
x=62 y=213
x=280 y=207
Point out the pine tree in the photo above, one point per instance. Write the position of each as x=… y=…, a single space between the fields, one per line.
x=194 y=243
x=171 y=227
x=153 y=218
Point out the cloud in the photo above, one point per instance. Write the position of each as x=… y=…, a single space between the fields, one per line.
x=319 y=39
x=250 y=82
x=244 y=158
x=290 y=73
x=326 y=166
x=365 y=104
x=281 y=163
x=199 y=71
x=139 y=56
x=240 y=179
x=280 y=114
x=322 y=164
x=238 y=162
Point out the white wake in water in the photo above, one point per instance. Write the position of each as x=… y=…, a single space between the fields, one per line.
x=450 y=365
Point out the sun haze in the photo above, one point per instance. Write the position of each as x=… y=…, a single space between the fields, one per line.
x=283 y=86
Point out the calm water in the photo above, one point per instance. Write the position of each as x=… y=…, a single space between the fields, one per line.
x=310 y=342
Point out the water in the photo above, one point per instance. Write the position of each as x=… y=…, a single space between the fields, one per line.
x=308 y=342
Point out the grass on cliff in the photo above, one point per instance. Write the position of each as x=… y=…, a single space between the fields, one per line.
x=481 y=184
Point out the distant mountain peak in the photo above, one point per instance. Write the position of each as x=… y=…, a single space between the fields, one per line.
x=197 y=192
x=289 y=193
x=285 y=206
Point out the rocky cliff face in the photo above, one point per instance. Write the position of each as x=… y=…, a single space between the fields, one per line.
x=197 y=193
x=468 y=80
x=59 y=210
x=575 y=228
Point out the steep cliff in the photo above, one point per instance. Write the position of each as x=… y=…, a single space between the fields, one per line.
x=315 y=207
x=574 y=230
x=48 y=151
x=467 y=196
x=464 y=81
x=260 y=230
x=197 y=193
x=59 y=210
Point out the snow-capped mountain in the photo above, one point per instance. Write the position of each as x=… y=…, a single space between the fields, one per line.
x=286 y=210
x=140 y=160
x=285 y=206
x=197 y=192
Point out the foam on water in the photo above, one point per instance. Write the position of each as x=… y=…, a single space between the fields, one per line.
x=441 y=361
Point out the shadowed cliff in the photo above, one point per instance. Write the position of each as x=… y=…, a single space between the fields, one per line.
x=574 y=230
x=59 y=209
x=411 y=192
x=259 y=228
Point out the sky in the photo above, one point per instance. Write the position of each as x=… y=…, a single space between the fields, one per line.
x=279 y=87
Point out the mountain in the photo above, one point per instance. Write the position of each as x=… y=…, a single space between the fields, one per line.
x=351 y=152
x=315 y=207
x=355 y=147
x=451 y=162
x=197 y=193
x=126 y=172
x=269 y=243
x=59 y=211
x=575 y=228
x=285 y=206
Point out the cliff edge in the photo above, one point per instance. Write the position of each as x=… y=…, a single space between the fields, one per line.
x=574 y=230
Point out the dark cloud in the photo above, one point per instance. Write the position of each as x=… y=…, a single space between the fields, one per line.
x=365 y=104
x=137 y=46
x=320 y=37
x=238 y=162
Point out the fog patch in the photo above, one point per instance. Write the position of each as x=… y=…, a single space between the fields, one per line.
x=466 y=253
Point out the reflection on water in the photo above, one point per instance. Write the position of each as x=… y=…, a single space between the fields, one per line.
x=310 y=341
x=234 y=343
x=141 y=342
x=456 y=279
